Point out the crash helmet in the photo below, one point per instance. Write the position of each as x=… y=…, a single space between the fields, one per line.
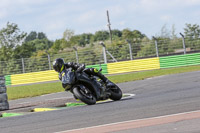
x=58 y=64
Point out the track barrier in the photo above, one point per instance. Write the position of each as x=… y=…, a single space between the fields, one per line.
x=110 y=68
x=4 y=105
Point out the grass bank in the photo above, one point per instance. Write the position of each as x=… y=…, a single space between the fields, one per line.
x=46 y=88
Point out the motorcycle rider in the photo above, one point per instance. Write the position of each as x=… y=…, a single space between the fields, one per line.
x=59 y=66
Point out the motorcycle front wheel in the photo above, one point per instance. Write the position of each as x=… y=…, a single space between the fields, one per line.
x=116 y=93
x=84 y=95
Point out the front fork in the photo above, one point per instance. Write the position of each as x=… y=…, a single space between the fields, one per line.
x=104 y=93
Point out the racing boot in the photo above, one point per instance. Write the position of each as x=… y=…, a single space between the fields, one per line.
x=105 y=80
x=102 y=77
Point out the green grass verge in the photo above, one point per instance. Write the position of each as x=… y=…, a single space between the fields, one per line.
x=33 y=90
x=46 y=88
x=147 y=74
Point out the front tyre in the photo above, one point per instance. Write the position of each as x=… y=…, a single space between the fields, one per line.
x=84 y=95
x=116 y=93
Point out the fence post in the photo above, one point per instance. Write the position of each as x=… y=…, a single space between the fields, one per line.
x=23 y=70
x=156 y=45
x=3 y=95
x=49 y=59
x=183 y=38
x=104 y=52
x=130 y=49
x=76 y=52
x=111 y=56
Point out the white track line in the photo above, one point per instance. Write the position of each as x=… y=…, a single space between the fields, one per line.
x=129 y=121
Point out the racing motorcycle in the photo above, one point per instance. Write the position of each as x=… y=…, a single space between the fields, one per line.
x=89 y=89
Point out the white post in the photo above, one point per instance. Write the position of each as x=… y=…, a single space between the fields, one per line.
x=183 y=38
x=104 y=52
x=130 y=49
x=49 y=59
x=156 y=45
x=23 y=70
x=75 y=49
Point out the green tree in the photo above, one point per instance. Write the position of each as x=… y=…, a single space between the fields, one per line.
x=25 y=50
x=138 y=34
x=134 y=35
x=147 y=48
x=41 y=35
x=116 y=34
x=34 y=35
x=10 y=37
x=192 y=34
x=173 y=32
x=101 y=36
x=192 y=31
x=127 y=34
x=74 y=40
x=31 y=36
x=56 y=46
x=165 y=45
x=165 y=33
x=84 y=39
x=31 y=48
x=68 y=33
x=134 y=38
x=42 y=44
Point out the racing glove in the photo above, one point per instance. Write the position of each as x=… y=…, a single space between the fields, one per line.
x=81 y=68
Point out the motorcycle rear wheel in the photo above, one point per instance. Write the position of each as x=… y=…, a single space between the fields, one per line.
x=84 y=95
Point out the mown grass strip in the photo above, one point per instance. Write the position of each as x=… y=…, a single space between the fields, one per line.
x=46 y=88
x=10 y=114
x=74 y=104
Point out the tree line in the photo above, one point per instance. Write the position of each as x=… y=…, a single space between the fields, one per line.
x=16 y=44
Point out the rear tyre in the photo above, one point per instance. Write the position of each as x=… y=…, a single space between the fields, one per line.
x=84 y=95
x=116 y=93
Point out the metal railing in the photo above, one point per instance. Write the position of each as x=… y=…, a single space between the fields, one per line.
x=102 y=54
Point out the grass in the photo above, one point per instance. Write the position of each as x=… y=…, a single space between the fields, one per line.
x=46 y=88
x=147 y=74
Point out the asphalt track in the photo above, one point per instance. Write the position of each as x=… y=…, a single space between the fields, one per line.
x=172 y=95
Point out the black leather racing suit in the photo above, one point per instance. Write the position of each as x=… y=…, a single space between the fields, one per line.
x=81 y=67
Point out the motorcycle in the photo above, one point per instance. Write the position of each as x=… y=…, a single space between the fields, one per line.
x=89 y=89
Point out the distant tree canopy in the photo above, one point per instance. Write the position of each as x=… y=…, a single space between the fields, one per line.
x=31 y=36
x=192 y=31
x=101 y=36
x=16 y=44
x=34 y=42
x=34 y=35
x=127 y=34
x=10 y=38
x=67 y=34
x=116 y=33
